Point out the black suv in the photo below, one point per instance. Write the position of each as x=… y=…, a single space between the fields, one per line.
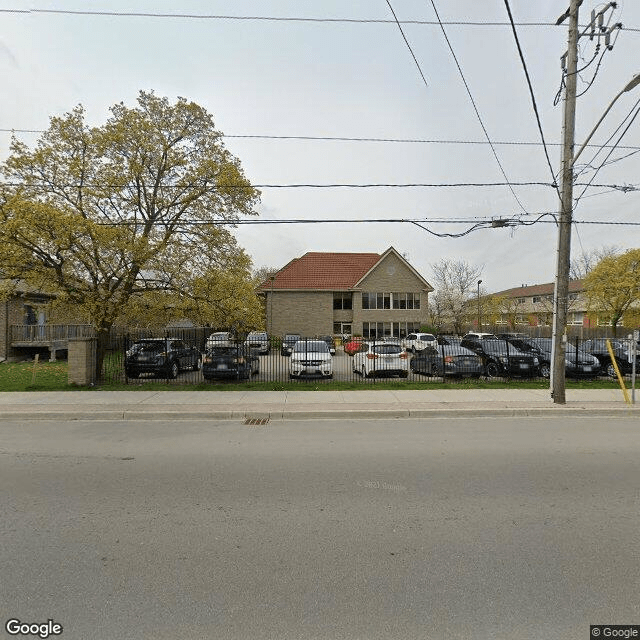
x=288 y=342
x=501 y=358
x=598 y=348
x=164 y=357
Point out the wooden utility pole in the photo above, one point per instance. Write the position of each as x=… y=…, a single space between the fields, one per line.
x=561 y=292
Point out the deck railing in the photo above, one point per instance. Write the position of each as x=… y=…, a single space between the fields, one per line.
x=48 y=333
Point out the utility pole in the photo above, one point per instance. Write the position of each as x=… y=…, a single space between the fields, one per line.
x=561 y=291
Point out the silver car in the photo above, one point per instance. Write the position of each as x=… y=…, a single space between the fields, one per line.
x=258 y=341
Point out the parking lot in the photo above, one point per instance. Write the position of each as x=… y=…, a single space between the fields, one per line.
x=274 y=367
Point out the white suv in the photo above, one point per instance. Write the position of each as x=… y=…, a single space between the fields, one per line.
x=220 y=339
x=310 y=358
x=418 y=341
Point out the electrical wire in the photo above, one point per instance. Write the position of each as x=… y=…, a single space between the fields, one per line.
x=522 y=143
x=577 y=200
x=388 y=185
x=475 y=108
x=199 y=16
x=531 y=94
x=413 y=55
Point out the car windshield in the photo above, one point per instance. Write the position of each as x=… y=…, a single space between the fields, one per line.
x=224 y=351
x=151 y=347
x=291 y=338
x=497 y=346
x=256 y=336
x=387 y=348
x=305 y=346
x=426 y=337
x=521 y=344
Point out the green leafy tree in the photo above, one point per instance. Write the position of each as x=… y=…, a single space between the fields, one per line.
x=133 y=213
x=612 y=287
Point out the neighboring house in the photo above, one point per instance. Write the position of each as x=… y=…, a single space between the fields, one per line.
x=25 y=328
x=533 y=306
x=346 y=293
x=22 y=318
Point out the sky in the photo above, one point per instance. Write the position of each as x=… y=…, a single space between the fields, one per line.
x=344 y=70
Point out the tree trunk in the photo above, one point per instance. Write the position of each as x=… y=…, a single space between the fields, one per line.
x=102 y=334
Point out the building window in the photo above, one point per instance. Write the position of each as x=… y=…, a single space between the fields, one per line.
x=520 y=300
x=342 y=301
x=382 y=330
x=536 y=299
x=390 y=300
x=576 y=318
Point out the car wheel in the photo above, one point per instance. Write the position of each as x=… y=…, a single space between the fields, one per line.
x=173 y=371
x=493 y=370
x=545 y=370
x=611 y=371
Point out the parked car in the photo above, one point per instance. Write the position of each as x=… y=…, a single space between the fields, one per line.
x=310 y=359
x=287 y=343
x=502 y=359
x=381 y=358
x=232 y=361
x=418 y=341
x=474 y=335
x=447 y=360
x=330 y=343
x=577 y=363
x=353 y=345
x=164 y=357
x=220 y=339
x=258 y=341
x=598 y=348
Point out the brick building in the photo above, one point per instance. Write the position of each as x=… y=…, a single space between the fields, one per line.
x=346 y=293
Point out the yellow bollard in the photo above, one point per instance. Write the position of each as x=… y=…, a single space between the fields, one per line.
x=620 y=378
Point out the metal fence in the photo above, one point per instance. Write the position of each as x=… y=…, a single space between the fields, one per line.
x=358 y=361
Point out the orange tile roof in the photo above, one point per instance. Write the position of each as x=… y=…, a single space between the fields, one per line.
x=324 y=271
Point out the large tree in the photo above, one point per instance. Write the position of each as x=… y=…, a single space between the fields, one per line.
x=456 y=284
x=612 y=287
x=133 y=212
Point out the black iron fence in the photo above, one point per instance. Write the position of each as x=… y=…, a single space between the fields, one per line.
x=189 y=356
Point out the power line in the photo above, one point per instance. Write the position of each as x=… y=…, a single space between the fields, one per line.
x=201 y=16
x=610 y=152
x=344 y=185
x=475 y=108
x=522 y=143
x=413 y=55
x=531 y=93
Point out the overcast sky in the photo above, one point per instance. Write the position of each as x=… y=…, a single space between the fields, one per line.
x=358 y=79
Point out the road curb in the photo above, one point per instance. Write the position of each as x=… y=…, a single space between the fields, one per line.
x=396 y=413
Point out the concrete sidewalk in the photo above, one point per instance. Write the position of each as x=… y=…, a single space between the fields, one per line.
x=300 y=405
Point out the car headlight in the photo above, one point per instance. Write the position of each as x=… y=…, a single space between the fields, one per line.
x=504 y=359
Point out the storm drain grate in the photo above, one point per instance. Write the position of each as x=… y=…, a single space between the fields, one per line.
x=256 y=422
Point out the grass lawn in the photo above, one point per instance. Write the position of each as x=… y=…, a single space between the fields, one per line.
x=34 y=376
x=52 y=376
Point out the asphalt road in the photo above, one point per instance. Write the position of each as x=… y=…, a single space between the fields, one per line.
x=477 y=528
